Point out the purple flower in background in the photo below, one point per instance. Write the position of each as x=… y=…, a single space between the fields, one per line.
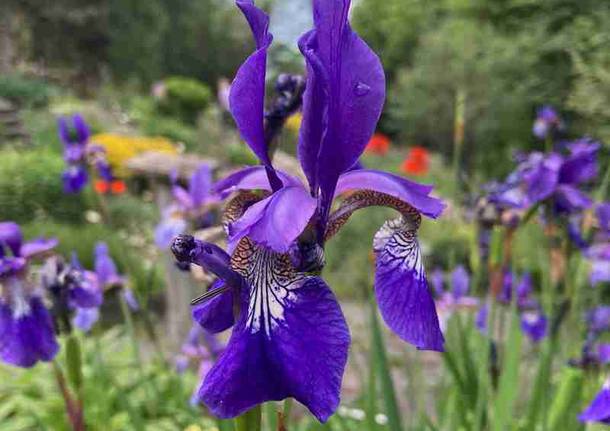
x=73 y=290
x=192 y=204
x=534 y=324
x=598 y=319
x=482 y=318
x=437 y=278
x=553 y=177
x=547 y=121
x=201 y=347
x=74 y=133
x=460 y=281
x=27 y=333
x=105 y=268
x=457 y=297
x=290 y=328
x=599 y=409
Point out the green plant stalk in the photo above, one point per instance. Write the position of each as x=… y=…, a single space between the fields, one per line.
x=387 y=387
x=250 y=420
x=458 y=130
x=134 y=344
x=73 y=408
x=102 y=369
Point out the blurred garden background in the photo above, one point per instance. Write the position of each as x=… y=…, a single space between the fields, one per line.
x=466 y=82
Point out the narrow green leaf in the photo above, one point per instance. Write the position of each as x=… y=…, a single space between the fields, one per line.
x=74 y=363
x=507 y=389
x=383 y=369
x=271 y=412
x=566 y=404
x=250 y=420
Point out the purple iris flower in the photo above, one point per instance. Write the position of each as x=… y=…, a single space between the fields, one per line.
x=74 y=133
x=482 y=317
x=437 y=280
x=457 y=297
x=73 y=290
x=602 y=211
x=555 y=177
x=290 y=338
x=201 y=347
x=27 y=333
x=547 y=121
x=534 y=324
x=108 y=276
x=599 y=409
x=598 y=319
x=192 y=204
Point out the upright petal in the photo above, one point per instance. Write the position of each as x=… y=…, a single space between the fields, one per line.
x=291 y=340
x=11 y=237
x=81 y=129
x=581 y=165
x=355 y=90
x=401 y=287
x=247 y=96
x=200 y=185
x=105 y=268
x=277 y=220
x=460 y=281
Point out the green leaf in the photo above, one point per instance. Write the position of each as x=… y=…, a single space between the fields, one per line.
x=566 y=404
x=383 y=369
x=507 y=389
x=250 y=420
x=74 y=363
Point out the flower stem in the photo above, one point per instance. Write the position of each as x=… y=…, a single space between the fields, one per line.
x=249 y=421
x=73 y=408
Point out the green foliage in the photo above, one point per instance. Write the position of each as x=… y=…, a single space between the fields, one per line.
x=153 y=123
x=119 y=394
x=25 y=91
x=184 y=98
x=30 y=187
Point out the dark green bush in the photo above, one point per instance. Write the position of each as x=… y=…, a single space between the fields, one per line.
x=184 y=98
x=25 y=91
x=31 y=187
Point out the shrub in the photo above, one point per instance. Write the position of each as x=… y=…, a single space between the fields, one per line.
x=184 y=98
x=25 y=91
x=30 y=186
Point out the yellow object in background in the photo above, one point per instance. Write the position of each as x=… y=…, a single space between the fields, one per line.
x=120 y=148
x=293 y=123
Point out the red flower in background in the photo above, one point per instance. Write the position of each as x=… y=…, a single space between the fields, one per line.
x=116 y=187
x=417 y=162
x=379 y=145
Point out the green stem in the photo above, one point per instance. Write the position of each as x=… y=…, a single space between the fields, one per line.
x=249 y=421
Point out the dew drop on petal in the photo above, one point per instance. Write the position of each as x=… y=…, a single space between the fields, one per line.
x=361 y=89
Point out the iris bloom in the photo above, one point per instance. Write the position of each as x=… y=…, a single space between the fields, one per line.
x=290 y=338
x=192 y=204
x=555 y=177
x=546 y=123
x=457 y=296
x=26 y=328
x=74 y=291
x=599 y=409
x=74 y=133
x=201 y=347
